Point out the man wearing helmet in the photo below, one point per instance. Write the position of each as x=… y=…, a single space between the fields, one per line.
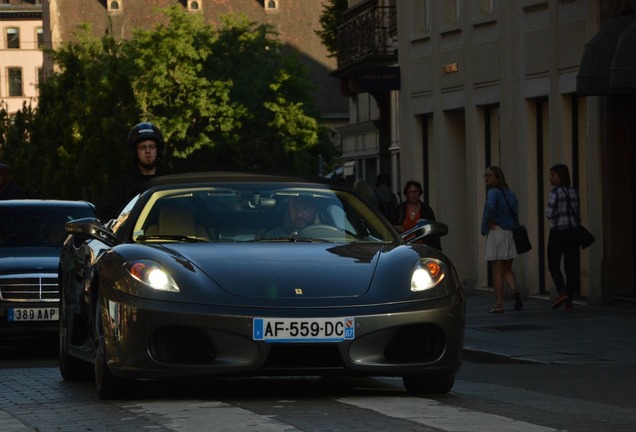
x=146 y=145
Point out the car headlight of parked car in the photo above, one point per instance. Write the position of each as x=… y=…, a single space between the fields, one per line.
x=152 y=274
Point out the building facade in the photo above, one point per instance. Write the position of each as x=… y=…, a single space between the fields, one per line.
x=521 y=84
x=515 y=84
x=21 y=39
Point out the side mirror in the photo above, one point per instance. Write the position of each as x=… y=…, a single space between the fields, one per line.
x=91 y=228
x=425 y=229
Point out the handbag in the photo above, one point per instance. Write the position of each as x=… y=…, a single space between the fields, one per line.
x=519 y=232
x=522 y=241
x=585 y=237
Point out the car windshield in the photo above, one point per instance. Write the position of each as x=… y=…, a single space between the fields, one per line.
x=29 y=226
x=260 y=212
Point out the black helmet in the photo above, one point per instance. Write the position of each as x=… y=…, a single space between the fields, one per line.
x=145 y=131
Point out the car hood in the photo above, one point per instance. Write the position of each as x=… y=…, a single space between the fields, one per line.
x=29 y=260
x=284 y=270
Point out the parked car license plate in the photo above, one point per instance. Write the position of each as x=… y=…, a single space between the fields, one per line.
x=304 y=330
x=33 y=314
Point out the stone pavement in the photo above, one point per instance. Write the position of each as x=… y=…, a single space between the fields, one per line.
x=538 y=334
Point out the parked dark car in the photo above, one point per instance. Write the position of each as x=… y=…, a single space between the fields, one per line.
x=31 y=236
x=202 y=276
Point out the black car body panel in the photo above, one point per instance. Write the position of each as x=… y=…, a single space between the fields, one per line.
x=215 y=293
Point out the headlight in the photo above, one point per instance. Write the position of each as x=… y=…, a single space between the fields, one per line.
x=152 y=274
x=427 y=274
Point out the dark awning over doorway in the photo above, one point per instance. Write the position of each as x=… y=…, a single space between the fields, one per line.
x=601 y=53
x=623 y=70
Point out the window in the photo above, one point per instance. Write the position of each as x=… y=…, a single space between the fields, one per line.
x=271 y=4
x=15 y=81
x=422 y=14
x=40 y=37
x=487 y=6
x=40 y=75
x=194 y=5
x=114 y=5
x=453 y=11
x=13 y=38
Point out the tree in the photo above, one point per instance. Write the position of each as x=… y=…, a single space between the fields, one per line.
x=225 y=98
x=330 y=20
x=75 y=146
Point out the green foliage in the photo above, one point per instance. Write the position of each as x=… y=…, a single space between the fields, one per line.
x=226 y=98
x=330 y=20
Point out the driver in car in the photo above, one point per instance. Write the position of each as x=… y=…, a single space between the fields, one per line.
x=301 y=212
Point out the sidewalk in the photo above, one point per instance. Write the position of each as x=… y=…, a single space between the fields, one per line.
x=538 y=334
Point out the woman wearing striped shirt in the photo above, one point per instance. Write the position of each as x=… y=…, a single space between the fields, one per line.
x=563 y=212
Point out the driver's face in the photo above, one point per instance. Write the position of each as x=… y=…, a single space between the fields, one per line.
x=302 y=211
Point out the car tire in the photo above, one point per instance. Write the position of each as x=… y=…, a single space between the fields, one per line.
x=429 y=384
x=108 y=385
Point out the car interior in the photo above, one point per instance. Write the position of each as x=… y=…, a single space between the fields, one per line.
x=228 y=215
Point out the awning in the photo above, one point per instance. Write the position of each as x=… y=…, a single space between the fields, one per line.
x=600 y=53
x=349 y=168
x=623 y=70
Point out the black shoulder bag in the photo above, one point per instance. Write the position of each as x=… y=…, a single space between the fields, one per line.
x=519 y=232
x=585 y=237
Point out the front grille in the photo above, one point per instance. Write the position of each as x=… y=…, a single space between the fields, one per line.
x=419 y=343
x=29 y=288
x=182 y=345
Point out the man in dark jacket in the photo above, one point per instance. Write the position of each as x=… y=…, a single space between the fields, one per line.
x=146 y=146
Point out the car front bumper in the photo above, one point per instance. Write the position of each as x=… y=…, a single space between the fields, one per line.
x=152 y=339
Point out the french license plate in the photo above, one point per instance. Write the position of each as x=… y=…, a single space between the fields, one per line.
x=33 y=314
x=304 y=330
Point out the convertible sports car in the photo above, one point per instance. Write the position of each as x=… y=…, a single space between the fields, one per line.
x=206 y=275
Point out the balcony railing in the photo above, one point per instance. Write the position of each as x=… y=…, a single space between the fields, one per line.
x=369 y=34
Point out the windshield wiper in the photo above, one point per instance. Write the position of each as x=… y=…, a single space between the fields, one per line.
x=175 y=237
x=296 y=237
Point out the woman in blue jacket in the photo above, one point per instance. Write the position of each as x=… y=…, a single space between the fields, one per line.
x=498 y=220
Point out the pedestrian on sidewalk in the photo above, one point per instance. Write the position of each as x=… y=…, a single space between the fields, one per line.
x=387 y=201
x=412 y=210
x=497 y=223
x=563 y=212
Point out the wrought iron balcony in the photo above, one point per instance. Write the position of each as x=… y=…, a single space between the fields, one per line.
x=370 y=35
